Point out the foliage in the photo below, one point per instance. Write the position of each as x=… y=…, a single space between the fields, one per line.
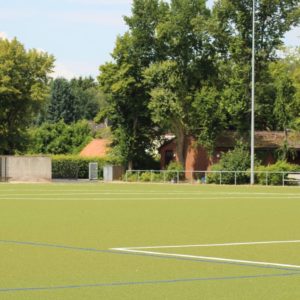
x=231 y=29
x=121 y=81
x=73 y=100
x=186 y=62
x=175 y=171
x=288 y=68
x=208 y=116
x=275 y=176
x=23 y=90
x=286 y=107
x=237 y=159
x=75 y=167
x=60 y=138
x=183 y=68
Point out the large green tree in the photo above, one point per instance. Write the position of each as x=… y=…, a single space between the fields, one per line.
x=231 y=29
x=122 y=82
x=73 y=100
x=187 y=65
x=23 y=90
x=60 y=138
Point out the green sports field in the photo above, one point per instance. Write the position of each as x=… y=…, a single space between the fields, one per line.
x=149 y=241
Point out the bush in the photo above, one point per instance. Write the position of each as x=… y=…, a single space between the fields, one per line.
x=214 y=177
x=60 y=138
x=175 y=169
x=75 y=167
x=130 y=177
x=237 y=159
x=273 y=178
x=146 y=177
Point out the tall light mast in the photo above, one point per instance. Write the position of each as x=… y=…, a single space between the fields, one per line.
x=253 y=95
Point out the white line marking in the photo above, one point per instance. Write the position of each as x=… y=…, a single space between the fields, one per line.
x=221 y=259
x=151 y=193
x=214 y=245
x=134 y=199
x=250 y=262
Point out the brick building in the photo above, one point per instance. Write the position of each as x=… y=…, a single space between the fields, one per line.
x=197 y=159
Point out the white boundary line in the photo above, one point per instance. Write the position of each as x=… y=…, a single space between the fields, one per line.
x=218 y=259
x=214 y=245
x=55 y=198
x=107 y=193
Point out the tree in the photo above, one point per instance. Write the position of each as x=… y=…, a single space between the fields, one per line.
x=62 y=102
x=88 y=98
x=73 y=100
x=231 y=29
x=23 y=90
x=169 y=105
x=122 y=82
x=185 y=67
x=208 y=116
x=60 y=138
x=290 y=68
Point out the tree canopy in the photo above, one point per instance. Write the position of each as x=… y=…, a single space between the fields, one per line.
x=23 y=90
x=184 y=68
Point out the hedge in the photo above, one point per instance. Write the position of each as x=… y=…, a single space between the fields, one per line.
x=75 y=167
x=273 y=177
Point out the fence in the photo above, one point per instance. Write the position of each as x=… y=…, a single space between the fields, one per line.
x=217 y=177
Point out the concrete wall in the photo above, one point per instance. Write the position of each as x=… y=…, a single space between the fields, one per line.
x=26 y=168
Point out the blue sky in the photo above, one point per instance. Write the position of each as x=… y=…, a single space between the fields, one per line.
x=79 y=33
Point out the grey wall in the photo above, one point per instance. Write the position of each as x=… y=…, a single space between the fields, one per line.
x=27 y=168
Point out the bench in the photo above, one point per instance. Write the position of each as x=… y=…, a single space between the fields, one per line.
x=293 y=178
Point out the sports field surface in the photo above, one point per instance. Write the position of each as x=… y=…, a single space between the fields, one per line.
x=149 y=241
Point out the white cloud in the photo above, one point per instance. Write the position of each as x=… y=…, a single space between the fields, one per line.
x=62 y=70
x=73 y=69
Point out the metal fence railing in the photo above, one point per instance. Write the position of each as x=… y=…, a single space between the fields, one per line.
x=215 y=177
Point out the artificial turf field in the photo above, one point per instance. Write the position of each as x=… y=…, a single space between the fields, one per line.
x=149 y=241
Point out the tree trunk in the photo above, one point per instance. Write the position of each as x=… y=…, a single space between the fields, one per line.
x=181 y=145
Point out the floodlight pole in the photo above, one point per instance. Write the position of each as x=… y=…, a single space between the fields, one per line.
x=253 y=95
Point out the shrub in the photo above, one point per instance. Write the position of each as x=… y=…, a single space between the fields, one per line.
x=237 y=159
x=131 y=177
x=60 y=138
x=146 y=177
x=175 y=169
x=214 y=177
x=75 y=167
x=275 y=178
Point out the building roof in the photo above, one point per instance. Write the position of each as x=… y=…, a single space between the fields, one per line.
x=96 y=148
x=263 y=139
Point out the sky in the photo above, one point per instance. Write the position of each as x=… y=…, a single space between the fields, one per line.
x=80 y=34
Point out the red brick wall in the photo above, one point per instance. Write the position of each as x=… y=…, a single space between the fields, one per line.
x=197 y=158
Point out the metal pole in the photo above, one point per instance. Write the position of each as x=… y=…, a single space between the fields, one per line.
x=253 y=95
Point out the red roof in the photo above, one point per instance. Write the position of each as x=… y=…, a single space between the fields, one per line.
x=96 y=148
x=263 y=139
